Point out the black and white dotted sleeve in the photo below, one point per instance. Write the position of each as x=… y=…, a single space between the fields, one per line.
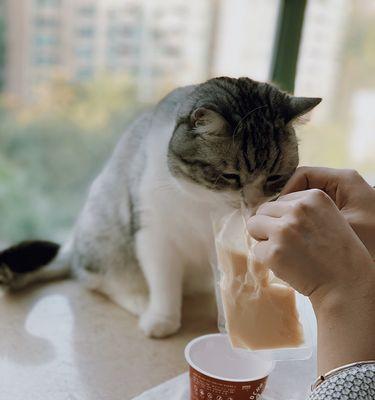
x=357 y=382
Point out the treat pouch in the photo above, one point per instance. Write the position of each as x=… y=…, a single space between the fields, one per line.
x=261 y=313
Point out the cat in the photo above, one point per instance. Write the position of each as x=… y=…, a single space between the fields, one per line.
x=144 y=236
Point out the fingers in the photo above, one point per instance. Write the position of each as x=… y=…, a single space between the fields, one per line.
x=334 y=182
x=309 y=178
x=297 y=182
x=275 y=218
x=261 y=227
x=275 y=209
x=286 y=204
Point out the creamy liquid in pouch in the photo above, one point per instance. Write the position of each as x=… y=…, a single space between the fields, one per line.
x=260 y=311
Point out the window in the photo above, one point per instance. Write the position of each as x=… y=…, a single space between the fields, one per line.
x=46 y=22
x=48 y=3
x=45 y=40
x=84 y=52
x=45 y=59
x=84 y=73
x=337 y=61
x=86 y=32
x=121 y=31
x=87 y=11
x=94 y=75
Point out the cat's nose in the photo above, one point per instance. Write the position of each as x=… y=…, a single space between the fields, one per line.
x=253 y=197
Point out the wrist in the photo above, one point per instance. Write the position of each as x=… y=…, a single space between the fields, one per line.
x=339 y=300
x=346 y=324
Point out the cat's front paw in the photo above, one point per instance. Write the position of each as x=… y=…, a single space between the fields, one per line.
x=158 y=326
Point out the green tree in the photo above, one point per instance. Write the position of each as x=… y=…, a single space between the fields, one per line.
x=52 y=149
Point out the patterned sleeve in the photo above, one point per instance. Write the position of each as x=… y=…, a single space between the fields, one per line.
x=357 y=382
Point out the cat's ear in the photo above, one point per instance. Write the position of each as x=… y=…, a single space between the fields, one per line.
x=209 y=122
x=299 y=106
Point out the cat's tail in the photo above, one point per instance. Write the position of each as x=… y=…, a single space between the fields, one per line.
x=33 y=261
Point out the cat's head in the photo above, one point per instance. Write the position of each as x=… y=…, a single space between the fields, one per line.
x=237 y=135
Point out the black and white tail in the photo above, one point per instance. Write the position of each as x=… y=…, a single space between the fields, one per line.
x=32 y=261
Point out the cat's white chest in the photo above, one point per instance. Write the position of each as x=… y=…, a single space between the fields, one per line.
x=192 y=237
x=187 y=219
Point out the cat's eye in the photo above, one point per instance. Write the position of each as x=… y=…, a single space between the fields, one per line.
x=230 y=177
x=274 y=178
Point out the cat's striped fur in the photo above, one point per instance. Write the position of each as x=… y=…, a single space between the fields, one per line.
x=144 y=236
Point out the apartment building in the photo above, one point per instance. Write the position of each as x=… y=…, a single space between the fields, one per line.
x=165 y=43
x=158 y=43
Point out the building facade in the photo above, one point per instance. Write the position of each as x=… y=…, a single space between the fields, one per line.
x=151 y=41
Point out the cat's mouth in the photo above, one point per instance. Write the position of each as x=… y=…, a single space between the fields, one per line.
x=255 y=202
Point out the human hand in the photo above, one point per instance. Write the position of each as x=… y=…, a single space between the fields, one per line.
x=353 y=196
x=307 y=242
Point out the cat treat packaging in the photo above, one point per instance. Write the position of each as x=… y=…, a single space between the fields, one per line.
x=258 y=311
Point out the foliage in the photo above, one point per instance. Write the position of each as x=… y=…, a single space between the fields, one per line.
x=51 y=150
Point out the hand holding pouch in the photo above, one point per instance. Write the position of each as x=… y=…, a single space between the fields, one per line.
x=261 y=312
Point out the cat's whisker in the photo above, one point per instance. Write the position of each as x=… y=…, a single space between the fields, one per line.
x=244 y=118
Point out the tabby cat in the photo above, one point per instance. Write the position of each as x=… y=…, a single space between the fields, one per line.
x=144 y=236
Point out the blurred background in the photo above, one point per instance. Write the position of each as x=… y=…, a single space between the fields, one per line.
x=73 y=73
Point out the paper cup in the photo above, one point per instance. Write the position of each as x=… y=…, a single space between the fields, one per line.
x=217 y=372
